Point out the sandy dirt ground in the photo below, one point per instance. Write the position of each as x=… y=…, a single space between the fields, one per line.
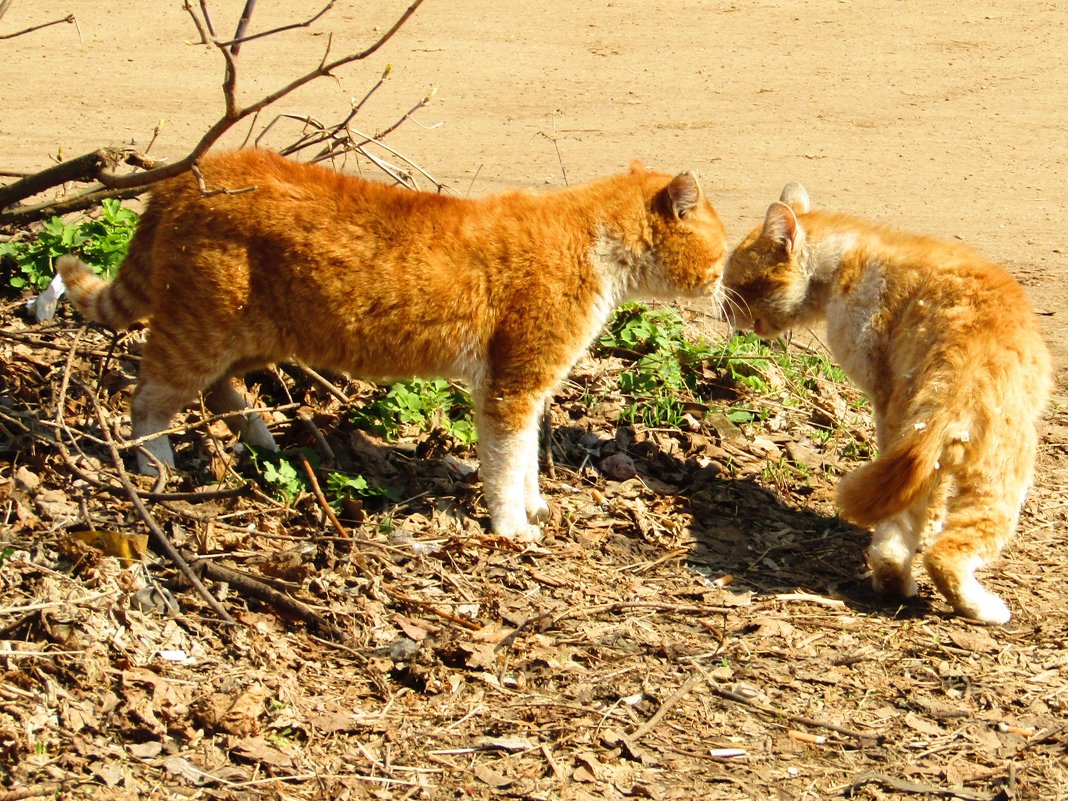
x=947 y=119
x=943 y=118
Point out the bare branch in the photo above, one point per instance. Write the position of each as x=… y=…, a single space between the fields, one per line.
x=69 y=18
x=236 y=114
x=239 y=38
x=23 y=215
x=207 y=19
x=242 y=24
x=219 y=190
x=102 y=168
x=196 y=21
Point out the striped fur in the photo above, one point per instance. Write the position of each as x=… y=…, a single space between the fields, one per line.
x=307 y=264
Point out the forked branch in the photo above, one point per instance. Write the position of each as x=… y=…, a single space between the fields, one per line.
x=99 y=167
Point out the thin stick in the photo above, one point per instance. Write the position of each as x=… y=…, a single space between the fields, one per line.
x=665 y=707
x=738 y=698
x=319 y=496
x=154 y=528
x=470 y=625
x=251 y=587
x=69 y=18
x=196 y=21
x=239 y=37
x=242 y=25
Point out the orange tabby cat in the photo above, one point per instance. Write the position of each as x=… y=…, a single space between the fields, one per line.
x=338 y=272
x=948 y=350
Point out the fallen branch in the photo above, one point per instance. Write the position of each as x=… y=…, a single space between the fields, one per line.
x=3 y=7
x=46 y=790
x=154 y=528
x=76 y=169
x=863 y=738
x=252 y=588
x=620 y=606
x=665 y=707
x=903 y=786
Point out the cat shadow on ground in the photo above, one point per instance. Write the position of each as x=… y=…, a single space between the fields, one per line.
x=772 y=546
x=767 y=543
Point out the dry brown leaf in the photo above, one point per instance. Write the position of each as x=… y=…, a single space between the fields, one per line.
x=224 y=713
x=256 y=749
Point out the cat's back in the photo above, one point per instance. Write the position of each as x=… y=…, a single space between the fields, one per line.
x=254 y=189
x=941 y=271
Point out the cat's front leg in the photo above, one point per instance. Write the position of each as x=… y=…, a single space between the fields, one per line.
x=507 y=452
x=537 y=507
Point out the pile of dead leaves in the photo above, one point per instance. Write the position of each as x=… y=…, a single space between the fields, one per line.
x=693 y=625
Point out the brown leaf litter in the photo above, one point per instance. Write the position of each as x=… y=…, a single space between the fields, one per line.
x=694 y=625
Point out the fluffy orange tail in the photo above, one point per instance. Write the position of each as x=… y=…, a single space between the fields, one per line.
x=117 y=305
x=893 y=482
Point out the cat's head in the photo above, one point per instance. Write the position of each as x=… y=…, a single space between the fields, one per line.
x=765 y=283
x=688 y=241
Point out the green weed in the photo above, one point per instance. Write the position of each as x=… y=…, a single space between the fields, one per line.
x=101 y=243
x=343 y=487
x=662 y=381
x=281 y=476
x=424 y=404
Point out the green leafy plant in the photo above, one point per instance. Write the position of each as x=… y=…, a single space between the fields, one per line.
x=637 y=329
x=343 y=486
x=663 y=376
x=423 y=404
x=100 y=242
x=280 y=474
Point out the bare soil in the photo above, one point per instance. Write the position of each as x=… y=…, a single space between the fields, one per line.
x=702 y=628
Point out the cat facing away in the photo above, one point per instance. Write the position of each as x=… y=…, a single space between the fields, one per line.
x=947 y=349
x=341 y=273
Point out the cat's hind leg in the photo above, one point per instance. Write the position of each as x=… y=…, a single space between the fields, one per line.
x=222 y=397
x=170 y=377
x=978 y=525
x=894 y=544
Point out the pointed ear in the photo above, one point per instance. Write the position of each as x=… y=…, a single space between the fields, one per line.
x=636 y=167
x=780 y=226
x=795 y=196
x=684 y=193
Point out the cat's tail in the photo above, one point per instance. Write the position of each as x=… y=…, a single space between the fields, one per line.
x=900 y=477
x=117 y=304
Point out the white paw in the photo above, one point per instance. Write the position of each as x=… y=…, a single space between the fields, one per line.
x=257 y=435
x=891 y=574
x=161 y=449
x=986 y=607
x=537 y=510
x=523 y=532
x=891 y=582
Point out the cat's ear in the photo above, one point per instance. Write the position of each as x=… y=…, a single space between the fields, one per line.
x=795 y=196
x=780 y=226
x=684 y=193
x=637 y=168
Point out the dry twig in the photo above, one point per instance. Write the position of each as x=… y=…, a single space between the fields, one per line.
x=4 y=7
x=112 y=184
